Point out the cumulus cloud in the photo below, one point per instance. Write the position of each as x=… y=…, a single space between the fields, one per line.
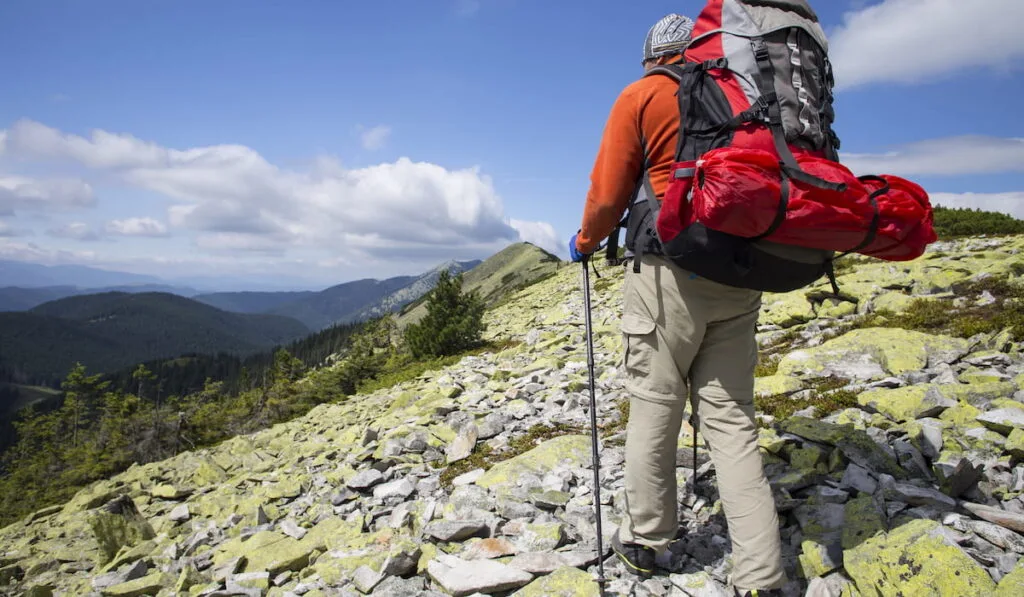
x=376 y=137
x=75 y=231
x=1011 y=203
x=19 y=192
x=541 y=234
x=136 y=227
x=910 y=41
x=236 y=200
x=969 y=154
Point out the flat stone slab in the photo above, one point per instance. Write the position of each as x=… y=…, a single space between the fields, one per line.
x=459 y=577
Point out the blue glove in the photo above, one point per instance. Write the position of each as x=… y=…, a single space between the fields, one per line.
x=575 y=255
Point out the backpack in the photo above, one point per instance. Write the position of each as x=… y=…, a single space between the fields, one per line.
x=758 y=198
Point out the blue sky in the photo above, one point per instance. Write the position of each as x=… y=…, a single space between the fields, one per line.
x=318 y=142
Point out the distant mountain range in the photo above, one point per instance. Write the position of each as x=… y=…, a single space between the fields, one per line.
x=33 y=275
x=54 y=327
x=112 y=330
x=344 y=303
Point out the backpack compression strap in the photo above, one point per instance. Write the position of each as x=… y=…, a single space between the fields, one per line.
x=770 y=100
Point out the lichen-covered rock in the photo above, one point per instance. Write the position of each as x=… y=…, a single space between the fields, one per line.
x=568 y=450
x=906 y=403
x=855 y=444
x=863 y=520
x=563 y=582
x=872 y=353
x=266 y=550
x=776 y=385
x=916 y=559
x=1012 y=585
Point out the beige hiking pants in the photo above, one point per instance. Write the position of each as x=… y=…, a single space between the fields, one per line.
x=682 y=333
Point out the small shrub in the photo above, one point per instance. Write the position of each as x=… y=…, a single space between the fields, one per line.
x=767 y=365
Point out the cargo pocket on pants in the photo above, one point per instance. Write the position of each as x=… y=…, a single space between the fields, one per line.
x=638 y=340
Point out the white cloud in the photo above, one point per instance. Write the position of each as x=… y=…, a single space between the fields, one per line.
x=1008 y=203
x=969 y=154
x=31 y=252
x=235 y=200
x=75 y=231
x=541 y=234
x=19 y=192
x=910 y=41
x=136 y=227
x=376 y=137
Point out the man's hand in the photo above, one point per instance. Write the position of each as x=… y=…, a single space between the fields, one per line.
x=574 y=254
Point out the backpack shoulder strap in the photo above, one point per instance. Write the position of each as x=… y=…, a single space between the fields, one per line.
x=671 y=70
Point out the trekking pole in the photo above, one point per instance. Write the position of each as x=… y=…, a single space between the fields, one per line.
x=601 y=580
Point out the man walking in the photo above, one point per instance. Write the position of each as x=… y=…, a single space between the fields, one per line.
x=681 y=334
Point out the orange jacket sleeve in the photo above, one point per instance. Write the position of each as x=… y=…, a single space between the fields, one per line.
x=616 y=171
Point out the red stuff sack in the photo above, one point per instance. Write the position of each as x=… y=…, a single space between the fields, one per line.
x=744 y=192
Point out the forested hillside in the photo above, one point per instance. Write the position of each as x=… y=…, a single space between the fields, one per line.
x=960 y=222
x=110 y=331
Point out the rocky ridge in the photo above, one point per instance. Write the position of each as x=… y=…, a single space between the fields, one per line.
x=912 y=486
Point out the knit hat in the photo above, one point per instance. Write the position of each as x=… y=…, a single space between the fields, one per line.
x=670 y=35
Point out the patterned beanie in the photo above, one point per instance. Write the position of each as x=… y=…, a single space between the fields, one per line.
x=670 y=35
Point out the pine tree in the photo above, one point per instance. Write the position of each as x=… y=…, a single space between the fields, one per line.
x=453 y=323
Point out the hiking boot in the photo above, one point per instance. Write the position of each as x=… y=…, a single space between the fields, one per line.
x=759 y=593
x=639 y=559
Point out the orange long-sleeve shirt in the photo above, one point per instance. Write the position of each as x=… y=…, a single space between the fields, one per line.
x=643 y=123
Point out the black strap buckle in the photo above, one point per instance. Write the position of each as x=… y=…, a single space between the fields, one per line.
x=722 y=62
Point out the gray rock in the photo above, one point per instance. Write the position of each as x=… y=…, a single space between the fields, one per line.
x=365 y=479
x=997 y=535
x=823 y=494
x=492 y=425
x=459 y=577
x=402 y=563
x=548 y=562
x=416 y=442
x=914 y=495
x=293 y=530
x=400 y=489
x=366 y=578
x=400 y=587
x=858 y=478
x=1007 y=562
x=911 y=459
x=944 y=375
x=1003 y=420
x=180 y=513
x=957 y=480
x=468 y=478
x=831 y=585
x=132 y=571
x=931 y=437
x=454 y=530
x=463 y=444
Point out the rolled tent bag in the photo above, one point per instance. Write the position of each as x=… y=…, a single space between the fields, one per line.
x=745 y=192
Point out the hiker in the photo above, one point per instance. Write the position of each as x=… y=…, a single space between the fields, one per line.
x=681 y=334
